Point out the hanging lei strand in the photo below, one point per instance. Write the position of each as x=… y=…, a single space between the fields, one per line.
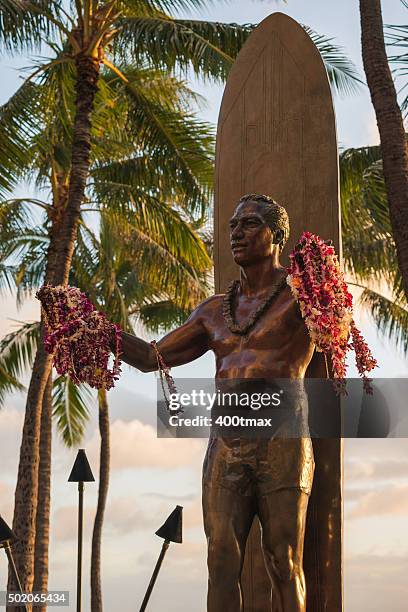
x=164 y=373
x=318 y=285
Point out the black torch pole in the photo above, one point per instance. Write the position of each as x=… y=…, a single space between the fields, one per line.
x=156 y=571
x=81 y=473
x=7 y=550
x=80 y=534
x=7 y=538
x=170 y=531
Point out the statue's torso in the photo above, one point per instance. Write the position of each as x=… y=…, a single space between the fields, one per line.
x=278 y=346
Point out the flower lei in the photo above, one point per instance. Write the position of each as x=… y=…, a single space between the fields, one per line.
x=79 y=337
x=318 y=285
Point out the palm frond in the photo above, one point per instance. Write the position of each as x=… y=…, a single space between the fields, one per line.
x=153 y=7
x=8 y=384
x=160 y=316
x=31 y=270
x=23 y=30
x=158 y=220
x=27 y=249
x=16 y=219
x=368 y=245
x=397 y=45
x=209 y=48
x=71 y=407
x=390 y=317
x=176 y=138
x=23 y=248
x=19 y=121
x=7 y=277
x=18 y=349
x=148 y=250
x=343 y=75
x=51 y=146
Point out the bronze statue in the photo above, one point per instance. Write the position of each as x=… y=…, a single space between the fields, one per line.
x=256 y=332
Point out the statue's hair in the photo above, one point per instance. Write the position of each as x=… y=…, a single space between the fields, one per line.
x=274 y=214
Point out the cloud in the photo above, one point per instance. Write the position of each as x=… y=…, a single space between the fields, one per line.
x=11 y=427
x=65 y=523
x=354 y=494
x=376 y=469
x=376 y=583
x=29 y=311
x=179 y=498
x=386 y=501
x=370 y=449
x=123 y=515
x=135 y=445
x=6 y=502
x=193 y=514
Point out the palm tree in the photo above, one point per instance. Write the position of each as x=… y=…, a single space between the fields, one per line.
x=115 y=279
x=96 y=33
x=390 y=125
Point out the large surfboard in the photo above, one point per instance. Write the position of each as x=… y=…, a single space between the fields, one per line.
x=277 y=135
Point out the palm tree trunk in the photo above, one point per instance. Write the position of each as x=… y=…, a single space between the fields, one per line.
x=42 y=528
x=60 y=252
x=86 y=88
x=44 y=496
x=26 y=495
x=96 y=589
x=390 y=125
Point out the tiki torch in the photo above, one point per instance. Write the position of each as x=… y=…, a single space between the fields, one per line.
x=7 y=537
x=81 y=472
x=170 y=531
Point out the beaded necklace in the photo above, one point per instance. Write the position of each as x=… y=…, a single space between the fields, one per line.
x=228 y=304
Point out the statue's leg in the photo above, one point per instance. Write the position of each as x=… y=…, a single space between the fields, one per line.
x=282 y=515
x=228 y=518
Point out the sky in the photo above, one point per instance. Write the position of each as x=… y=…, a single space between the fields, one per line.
x=150 y=476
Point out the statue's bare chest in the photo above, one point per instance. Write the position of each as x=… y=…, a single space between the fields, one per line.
x=272 y=329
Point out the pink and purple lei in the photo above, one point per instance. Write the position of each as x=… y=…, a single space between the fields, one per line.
x=326 y=305
x=79 y=337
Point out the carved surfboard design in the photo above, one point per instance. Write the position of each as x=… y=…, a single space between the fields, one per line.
x=277 y=135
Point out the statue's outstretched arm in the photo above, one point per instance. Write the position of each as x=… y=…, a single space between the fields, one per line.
x=180 y=346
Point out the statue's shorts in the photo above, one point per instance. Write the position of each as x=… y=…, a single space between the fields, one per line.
x=258 y=466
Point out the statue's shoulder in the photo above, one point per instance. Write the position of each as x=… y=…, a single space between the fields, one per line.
x=212 y=301
x=208 y=307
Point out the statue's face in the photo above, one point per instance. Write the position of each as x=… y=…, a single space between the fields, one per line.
x=251 y=238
